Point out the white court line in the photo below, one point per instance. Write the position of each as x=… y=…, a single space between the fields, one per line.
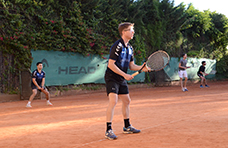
x=93 y=142
x=167 y=123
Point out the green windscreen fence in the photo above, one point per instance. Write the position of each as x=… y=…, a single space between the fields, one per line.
x=64 y=68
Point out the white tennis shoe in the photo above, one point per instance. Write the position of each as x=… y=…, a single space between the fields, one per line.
x=28 y=105
x=49 y=103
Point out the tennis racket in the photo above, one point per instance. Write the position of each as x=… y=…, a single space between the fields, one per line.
x=155 y=62
x=212 y=72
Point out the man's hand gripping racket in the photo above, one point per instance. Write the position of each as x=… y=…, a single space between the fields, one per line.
x=155 y=62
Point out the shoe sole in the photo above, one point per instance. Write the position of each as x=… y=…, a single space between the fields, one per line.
x=110 y=138
x=127 y=132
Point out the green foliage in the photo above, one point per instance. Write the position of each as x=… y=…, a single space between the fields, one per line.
x=206 y=33
x=139 y=50
x=172 y=20
x=222 y=66
x=193 y=53
x=161 y=26
x=54 y=25
x=152 y=30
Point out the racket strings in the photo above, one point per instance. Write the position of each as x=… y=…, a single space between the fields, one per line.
x=157 y=61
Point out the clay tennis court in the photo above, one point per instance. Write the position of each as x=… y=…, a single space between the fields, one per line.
x=167 y=117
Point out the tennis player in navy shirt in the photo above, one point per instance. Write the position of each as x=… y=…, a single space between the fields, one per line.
x=37 y=83
x=121 y=58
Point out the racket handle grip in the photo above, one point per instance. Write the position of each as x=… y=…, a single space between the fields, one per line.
x=136 y=73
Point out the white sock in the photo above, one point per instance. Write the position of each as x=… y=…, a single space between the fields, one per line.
x=48 y=101
x=29 y=102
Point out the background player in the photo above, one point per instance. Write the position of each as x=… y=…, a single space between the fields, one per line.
x=120 y=59
x=182 y=72
x=201 y=73
x=38 y=81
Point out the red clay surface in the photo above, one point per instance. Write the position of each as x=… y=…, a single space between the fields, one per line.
x=168 y=118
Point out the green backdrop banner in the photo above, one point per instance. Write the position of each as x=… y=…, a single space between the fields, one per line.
x=63 y=68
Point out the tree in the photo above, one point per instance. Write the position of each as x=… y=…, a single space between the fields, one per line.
x=194 y=32
x=173 y=19
x=218 y=35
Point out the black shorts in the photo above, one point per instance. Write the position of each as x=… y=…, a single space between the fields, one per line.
x=117 y=87
x=200 y=75
x=34 y=87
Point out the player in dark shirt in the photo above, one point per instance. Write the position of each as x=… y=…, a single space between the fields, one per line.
x=201 y=73
x=121 y=58
x=37 y=83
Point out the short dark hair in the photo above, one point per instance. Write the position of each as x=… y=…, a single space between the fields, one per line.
x=38 y=63
x=203 y=62
x=123 y=26
x=183 y=54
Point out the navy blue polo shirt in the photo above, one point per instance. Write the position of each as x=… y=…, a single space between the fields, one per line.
x=122 y=55
x=38 y=76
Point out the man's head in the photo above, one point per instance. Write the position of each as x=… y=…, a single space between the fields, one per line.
x=126 y=29
x=39 y=65
x=184 y=55
x=203 y=62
